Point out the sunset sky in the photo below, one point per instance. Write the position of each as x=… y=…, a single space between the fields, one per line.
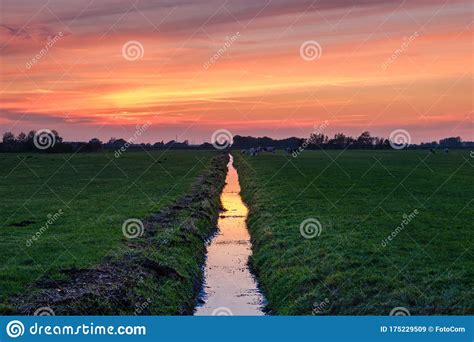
x=87 y=85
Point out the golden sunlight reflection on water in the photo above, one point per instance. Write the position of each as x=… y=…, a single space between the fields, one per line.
x=229 y=286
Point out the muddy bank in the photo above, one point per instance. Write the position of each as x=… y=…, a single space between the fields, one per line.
x=158 y=274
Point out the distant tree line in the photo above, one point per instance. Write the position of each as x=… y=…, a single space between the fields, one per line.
x=340 y=141
x=30 y=142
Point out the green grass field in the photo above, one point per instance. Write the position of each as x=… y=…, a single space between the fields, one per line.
x=351 y=267
x=360 y=198
x=91 y=196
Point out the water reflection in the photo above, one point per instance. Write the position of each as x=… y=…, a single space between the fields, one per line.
x=229 y=286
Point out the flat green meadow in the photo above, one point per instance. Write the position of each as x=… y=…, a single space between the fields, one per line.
x=362 y=232
x=75 y=205
x=333 y=232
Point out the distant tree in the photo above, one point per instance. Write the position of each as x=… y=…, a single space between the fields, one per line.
x=21 y=138
x=30 y=136
x=249 y=142
x=341 y=141
x=58 y=139
x=451 y=142
x=381 y=143
x=94 y=145
x=433 y=144
x=365 y=140
x=8 y=138
x=318 y=140
x=118 y=143
x=29 y=142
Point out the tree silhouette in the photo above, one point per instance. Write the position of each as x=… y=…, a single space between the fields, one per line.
x=8 y=138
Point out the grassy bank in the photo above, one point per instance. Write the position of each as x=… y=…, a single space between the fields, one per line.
x=351 y=266
x=87 y=198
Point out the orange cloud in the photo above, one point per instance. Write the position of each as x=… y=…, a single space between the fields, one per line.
x=382 y=66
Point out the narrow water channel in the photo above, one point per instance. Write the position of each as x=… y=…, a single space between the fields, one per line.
x=230 y=288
